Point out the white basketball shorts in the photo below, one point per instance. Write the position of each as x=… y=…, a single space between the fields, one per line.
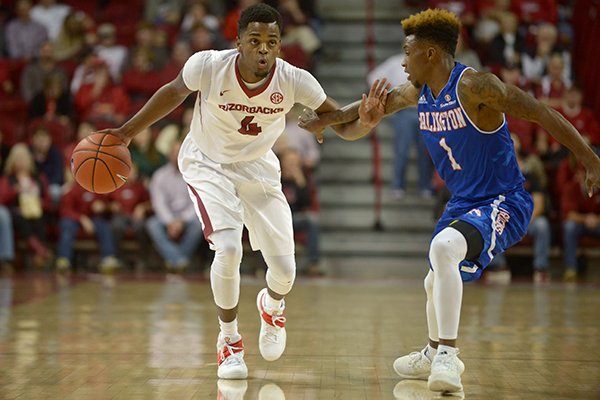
x=242 y=193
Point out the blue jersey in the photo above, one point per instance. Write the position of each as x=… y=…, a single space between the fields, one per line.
x=474 y=164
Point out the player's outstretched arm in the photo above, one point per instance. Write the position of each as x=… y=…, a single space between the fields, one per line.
x=486 y=89
x=357 y=119
x=162 y=102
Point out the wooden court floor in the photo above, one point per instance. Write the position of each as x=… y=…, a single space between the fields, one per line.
x=151 y=339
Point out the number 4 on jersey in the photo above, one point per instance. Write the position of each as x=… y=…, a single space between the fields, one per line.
x=249 y=128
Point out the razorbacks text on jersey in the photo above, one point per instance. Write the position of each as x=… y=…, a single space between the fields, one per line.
x=474 y=164
x=232 y=122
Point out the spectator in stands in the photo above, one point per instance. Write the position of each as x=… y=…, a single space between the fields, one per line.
x=103 y=102
x=34 y=74
x=50 y=14
x=53 y=101
x=554 y=84
x=7 y=87
x=84 y=129
x=163 y=12
x=508 y=45
x=511 y=73
x=297 y=191
x=406 y=132
x=296 y=30
x=48 y=161
x=86 y=71
x=144 y=41
x=300 y=140
x=198 y=12
x=201 y=38
x=82 y=209
x=580 y=116
x=112 y=53
x=72 y=42
x=581 y=217
x=142 y=79
x=145 y=154
x=179 y=55
x=465 y=54
x=534 y=61
x=129 y=206
x=175 y=229
x=539 y=227
x=25 y=193
x=229 y=28
x=533 y=12
x=24 y=37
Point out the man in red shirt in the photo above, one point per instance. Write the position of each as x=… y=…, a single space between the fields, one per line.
x=581 y=217
x=581 y=117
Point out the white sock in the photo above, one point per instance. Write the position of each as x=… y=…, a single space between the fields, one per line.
x=271 y=304
x=443 y=348
x=429 y=352
x=230 y=330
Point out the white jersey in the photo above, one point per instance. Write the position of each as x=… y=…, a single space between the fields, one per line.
x=233 y=123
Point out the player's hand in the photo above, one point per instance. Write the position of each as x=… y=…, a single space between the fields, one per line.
x=118 y=133
x=372 y=107
x=592 y=176
x=310 y=121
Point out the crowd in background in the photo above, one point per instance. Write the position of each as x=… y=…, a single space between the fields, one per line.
x=72 y=67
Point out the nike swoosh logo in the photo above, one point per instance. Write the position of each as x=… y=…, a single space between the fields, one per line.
x=121 y=177
x=222 y=92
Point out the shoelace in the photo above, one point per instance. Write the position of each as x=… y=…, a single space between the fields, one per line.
x=272 y=332
x=414 y=358
x=446 y=361
x=230 y=354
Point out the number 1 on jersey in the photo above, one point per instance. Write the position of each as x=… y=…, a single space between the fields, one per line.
x=248 y=127
x=455 y=165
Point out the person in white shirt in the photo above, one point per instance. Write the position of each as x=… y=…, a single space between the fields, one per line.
x=51 y=15
x=232 y=174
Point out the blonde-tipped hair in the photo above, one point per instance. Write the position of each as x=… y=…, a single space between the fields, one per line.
x=19 y=151
x=435 y=25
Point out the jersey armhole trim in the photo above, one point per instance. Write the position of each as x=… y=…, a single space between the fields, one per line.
x=467 y=114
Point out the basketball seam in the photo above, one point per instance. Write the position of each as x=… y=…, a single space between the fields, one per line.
x=109 y=172
x=81 y=165
x=95 y=161
x=101 y=152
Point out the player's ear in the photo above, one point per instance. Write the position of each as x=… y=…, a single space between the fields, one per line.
x=431 y=52
x=238 y=43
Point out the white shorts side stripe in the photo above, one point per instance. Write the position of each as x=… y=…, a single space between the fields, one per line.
x=495 y=209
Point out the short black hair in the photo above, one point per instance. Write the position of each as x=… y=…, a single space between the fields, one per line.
x=434 y=25
x=259 y=13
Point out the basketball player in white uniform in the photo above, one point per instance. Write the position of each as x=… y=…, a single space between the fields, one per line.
x=232 y=174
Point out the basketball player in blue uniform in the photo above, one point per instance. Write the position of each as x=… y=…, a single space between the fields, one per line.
x=462 y=119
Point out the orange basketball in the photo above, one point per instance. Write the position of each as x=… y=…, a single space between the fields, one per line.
x=101 y=163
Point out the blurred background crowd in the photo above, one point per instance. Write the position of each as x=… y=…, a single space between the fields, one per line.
x=69 y=68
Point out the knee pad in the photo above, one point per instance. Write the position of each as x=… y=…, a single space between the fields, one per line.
x=448 y=248
x=225 y=269
x=281 y=273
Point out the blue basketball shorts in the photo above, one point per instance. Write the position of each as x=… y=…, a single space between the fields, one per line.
x=501 y=220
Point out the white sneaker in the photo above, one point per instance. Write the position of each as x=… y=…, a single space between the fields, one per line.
x=230 y=359
x=271 y=391
x=231 y=390
x=446 y=370
x=271 y=341
x=415 y=365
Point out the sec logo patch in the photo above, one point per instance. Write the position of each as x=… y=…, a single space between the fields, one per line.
x=276 y=98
